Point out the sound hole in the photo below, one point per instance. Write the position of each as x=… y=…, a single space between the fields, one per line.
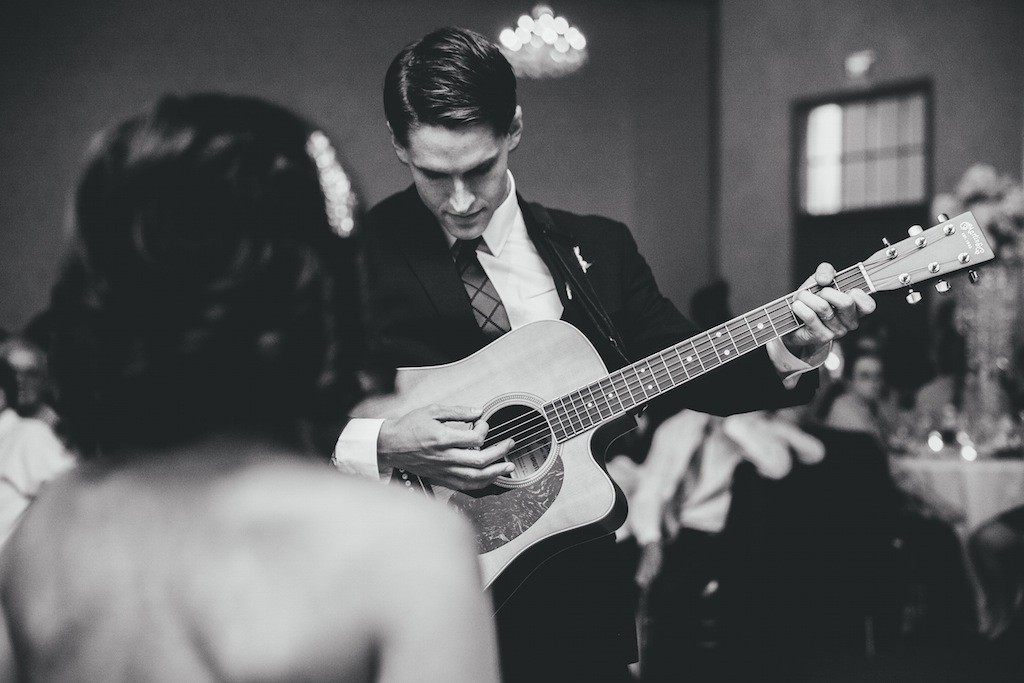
x=529 y=430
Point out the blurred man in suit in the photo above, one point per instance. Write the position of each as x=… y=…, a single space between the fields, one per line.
x=460 y=258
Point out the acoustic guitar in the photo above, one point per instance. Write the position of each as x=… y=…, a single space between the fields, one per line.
x=545 y=386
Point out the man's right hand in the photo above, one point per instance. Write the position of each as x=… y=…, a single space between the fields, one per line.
x=426 y=443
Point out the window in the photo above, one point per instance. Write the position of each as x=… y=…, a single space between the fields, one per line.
x=861 y=171
x=864 y=151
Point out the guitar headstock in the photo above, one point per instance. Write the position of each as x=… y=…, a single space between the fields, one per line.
x=951 y=246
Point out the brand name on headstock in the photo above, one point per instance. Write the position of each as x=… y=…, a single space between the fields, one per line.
x=972 y=238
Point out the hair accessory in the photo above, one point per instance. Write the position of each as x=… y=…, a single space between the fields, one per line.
x=339 y=198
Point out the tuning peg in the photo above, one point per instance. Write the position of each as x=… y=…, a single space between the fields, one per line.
x=942 y=217
x=886 y=242
x=973 y=276
x=942 y=287
x=913 y=297
x=915 y=230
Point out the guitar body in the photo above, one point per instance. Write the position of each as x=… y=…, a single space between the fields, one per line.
x=560 y=494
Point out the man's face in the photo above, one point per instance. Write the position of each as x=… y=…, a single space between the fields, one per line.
x=460 y=174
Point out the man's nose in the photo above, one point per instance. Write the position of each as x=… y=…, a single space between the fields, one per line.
x=462 y=198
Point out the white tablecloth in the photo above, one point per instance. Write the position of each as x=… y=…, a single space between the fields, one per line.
x=973 y=491
x=979 y=490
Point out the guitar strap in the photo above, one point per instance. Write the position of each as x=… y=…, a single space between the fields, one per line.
x=573 y=273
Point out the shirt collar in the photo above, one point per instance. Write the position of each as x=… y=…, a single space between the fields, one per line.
x=506 y=218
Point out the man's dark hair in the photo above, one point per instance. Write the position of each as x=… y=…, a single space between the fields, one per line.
x=205 y=288
x=453 y=78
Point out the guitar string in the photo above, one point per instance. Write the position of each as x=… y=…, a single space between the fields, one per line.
x=672 y=366
x=706 y=342
x=583 y=408
x=634 y=385
x=536 y=431
x=535 y=419
x=600 y=407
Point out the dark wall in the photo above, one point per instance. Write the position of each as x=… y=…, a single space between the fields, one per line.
x=625 y=137
x=773 y=53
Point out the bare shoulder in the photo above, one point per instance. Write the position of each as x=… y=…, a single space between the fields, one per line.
x=369 y=513
x=277 y=567
x=403 y=566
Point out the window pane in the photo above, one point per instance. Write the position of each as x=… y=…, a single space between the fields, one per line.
x=871 y=136
x=824 y=157
x=911 y=171
x=854 y=184
x=912 y=120
x=887 y=126
x=853 y=122
x=886 y=181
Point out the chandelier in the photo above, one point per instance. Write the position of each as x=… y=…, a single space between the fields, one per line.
x=543 y=45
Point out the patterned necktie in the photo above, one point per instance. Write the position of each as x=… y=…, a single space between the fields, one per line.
x=487 y=307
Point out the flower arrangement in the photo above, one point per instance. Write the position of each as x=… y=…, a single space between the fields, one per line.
x=997 y=201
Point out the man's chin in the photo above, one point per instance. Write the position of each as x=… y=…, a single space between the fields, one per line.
x=465 y=230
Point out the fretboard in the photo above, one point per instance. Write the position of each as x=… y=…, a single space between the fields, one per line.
x=627 y=389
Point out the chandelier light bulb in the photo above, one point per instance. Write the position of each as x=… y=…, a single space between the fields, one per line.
x=543 y=45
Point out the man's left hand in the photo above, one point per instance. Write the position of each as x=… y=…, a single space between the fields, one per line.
x=827 y=315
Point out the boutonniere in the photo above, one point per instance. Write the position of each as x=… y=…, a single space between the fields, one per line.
x=584 y=264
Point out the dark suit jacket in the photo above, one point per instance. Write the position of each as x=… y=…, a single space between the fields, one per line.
x=420 y=315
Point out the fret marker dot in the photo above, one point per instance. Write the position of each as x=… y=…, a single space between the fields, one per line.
x=719 y=334
x=760 y=326
x=689 y=359
x=726 y=352
x=590 y=405
x=650 y=386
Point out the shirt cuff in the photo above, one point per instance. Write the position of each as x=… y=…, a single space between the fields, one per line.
x=789 y=366
x=356 y=450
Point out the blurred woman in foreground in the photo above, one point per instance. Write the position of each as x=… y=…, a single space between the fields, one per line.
x=207 y=318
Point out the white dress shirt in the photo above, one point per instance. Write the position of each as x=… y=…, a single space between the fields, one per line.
x=30 y=455
x=527 y=290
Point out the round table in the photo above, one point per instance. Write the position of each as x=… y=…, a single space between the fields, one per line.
x=978 y=490
x=967 y=492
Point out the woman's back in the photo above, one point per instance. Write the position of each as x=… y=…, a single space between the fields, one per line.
x=230 y=564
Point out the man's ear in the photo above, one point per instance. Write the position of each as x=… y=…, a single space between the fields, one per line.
x=403 y=154
x=515 y=129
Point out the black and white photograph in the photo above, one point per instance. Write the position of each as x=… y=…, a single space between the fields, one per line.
x=626 y=341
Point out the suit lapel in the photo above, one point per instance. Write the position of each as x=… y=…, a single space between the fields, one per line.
x=421 y=239
x=555 y=245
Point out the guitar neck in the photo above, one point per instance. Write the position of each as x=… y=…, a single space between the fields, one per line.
x=635 y=385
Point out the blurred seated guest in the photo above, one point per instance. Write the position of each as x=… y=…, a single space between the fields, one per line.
x=861 y=404
x=208 y=311
x=997 y=551
x=925 y=524
x=30 y=455
x=30 y=367
x=679 y=502
x=950 y=360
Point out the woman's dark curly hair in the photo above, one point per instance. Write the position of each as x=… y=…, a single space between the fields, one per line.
x=205 y=289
